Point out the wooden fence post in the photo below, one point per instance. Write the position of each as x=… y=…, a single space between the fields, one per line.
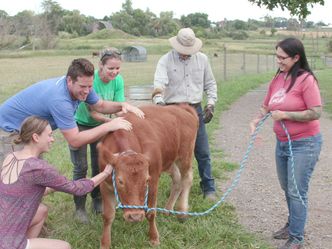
x=225 y=63
x=257 y=63
x=244 y=63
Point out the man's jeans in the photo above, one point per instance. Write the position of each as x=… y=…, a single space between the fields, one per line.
x=202 y=155
x=79 y=159
x=306 y=152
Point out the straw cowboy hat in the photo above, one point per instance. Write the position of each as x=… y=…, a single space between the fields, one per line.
x=186 y=42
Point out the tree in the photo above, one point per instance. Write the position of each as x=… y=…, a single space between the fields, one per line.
x=240 y=25
x=53 y=14
x=269 y=21
x=165 y=25
x=133 y=21
x=280 y=22
x=24 y=22
x=74 y=23
x=195 y=20
x=7 y=29
x=3 y=14
x=296 y=7
x=254 y=24
x=293 y=25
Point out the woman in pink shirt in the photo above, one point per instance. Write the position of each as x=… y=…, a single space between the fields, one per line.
x=24 y=179
x=294 y=98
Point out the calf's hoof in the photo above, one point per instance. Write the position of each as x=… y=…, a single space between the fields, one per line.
x=155 y=242
x=182 y=218
x=104 y=247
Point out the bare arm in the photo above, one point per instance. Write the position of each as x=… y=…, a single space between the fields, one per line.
x=98 y=116
x=48 y=190
x=109 y=107
x=96 y=179
x=262 y=112
x=106 y=107
x=301 y=116
x=103 y=175
x=77 y=138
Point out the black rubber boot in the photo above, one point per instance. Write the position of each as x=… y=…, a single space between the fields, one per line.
x=80 y=212
x=97 y=205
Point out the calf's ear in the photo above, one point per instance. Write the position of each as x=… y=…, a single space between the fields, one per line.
x=105 y=156
x=114 y=158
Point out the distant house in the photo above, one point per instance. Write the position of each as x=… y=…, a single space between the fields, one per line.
x=221 y=24
x=134 y=53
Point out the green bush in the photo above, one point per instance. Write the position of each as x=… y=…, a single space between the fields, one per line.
x=329 y=46
x=239 y=35
x=109 y=34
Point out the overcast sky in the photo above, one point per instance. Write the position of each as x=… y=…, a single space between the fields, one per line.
x=216 y=9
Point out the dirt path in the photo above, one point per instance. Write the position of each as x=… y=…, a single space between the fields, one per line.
x=258 y=198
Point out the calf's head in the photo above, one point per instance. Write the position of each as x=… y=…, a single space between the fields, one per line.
x=131 y=179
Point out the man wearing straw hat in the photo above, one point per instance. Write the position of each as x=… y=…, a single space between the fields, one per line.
x=183 y=75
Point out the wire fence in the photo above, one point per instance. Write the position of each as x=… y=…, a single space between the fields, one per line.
x=228 y=65
x=225 y=65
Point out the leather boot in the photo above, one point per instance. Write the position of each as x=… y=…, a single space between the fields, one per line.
x=80 y=212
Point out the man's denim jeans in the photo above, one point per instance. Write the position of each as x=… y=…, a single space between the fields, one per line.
x=306 y=152
x=80 y=160
x=202 y=155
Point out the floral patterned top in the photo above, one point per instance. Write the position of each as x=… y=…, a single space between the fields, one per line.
x=19 y=200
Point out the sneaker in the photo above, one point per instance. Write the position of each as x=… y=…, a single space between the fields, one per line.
x=211 y=196
x=81 y=216
x=97 y=205
x=292 y=243
x=282 y=233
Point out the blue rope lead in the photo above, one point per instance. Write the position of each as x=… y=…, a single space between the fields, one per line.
x=228 y=191
x=292 y=162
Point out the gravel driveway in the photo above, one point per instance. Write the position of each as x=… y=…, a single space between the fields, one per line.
x=258 y=198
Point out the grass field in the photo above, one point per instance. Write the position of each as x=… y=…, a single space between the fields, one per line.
x=220 y=229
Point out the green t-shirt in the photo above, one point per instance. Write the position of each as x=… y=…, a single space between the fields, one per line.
x=113 y=91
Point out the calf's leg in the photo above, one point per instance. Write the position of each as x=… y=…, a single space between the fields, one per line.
x=151 y=216
x=175 y=187
x=186 y=183
x=109 y=203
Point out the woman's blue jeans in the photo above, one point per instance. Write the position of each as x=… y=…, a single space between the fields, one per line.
x=306 y=152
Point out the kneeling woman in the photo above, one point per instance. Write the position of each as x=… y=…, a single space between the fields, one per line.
x=24 y=179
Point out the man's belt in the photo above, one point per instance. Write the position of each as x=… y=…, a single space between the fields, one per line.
x=191 y=104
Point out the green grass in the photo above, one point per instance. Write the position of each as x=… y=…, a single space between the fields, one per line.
x=220 y=229
x=325 y=84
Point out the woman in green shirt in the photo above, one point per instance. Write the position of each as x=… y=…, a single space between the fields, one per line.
x=109 y=85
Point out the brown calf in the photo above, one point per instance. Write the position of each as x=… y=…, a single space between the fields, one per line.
x=162 y=142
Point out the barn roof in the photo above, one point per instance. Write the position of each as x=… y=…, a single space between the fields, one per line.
x=134 y=53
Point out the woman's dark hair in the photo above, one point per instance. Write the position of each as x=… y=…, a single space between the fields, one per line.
x=80 y=67
x=292 y=47
x=30 y=126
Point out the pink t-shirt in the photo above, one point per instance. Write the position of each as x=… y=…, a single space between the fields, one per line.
x=303 y=95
